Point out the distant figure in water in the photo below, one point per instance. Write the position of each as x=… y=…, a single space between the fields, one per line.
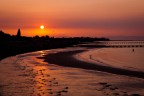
x=132 y=50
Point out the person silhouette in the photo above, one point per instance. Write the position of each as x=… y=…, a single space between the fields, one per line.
x=132 y=50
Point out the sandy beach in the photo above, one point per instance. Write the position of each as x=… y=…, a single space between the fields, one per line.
x=58 y=73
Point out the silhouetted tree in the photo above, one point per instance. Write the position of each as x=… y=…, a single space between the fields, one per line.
x=4 y=36
x=18 y=33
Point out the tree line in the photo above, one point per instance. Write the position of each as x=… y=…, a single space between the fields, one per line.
x=16 y=44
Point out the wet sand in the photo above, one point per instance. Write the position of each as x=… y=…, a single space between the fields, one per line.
x=19 y=76
x=26 y=75
x=68 y=60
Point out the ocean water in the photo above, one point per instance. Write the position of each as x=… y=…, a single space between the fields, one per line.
x=131 y=58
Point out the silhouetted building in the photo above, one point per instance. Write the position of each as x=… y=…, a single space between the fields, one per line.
x=18 y=33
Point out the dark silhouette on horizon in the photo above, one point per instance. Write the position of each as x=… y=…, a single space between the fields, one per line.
x=18 y=33
x=16 y=44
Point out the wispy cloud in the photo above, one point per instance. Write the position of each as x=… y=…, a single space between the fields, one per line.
x=134 y=23
x=125 y=23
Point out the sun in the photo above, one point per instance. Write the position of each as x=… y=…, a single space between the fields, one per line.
x=42 y=27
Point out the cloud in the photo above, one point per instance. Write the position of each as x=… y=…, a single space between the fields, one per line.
x=118 y=24
x=135 y=23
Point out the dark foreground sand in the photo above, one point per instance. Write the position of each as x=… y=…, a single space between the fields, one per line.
x=68 y=60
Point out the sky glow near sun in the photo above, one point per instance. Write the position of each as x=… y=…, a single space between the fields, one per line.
x=73 y=17
x=42 y=27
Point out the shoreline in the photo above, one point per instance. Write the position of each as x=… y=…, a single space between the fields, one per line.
x=67 y=59
x=31 y=76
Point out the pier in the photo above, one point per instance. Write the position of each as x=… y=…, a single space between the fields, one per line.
x=115 y=44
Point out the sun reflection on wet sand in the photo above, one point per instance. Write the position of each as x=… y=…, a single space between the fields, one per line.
x=45 y=84
x=28 y=76
x=41 y=85
x=42 y=53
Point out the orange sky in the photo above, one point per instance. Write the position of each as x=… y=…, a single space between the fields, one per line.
x=73 y=17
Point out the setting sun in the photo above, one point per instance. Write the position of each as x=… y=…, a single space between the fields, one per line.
x=42 y=27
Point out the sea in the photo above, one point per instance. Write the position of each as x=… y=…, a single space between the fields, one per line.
x=123 y=54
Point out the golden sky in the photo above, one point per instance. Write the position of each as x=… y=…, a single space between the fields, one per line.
x=73 y=17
